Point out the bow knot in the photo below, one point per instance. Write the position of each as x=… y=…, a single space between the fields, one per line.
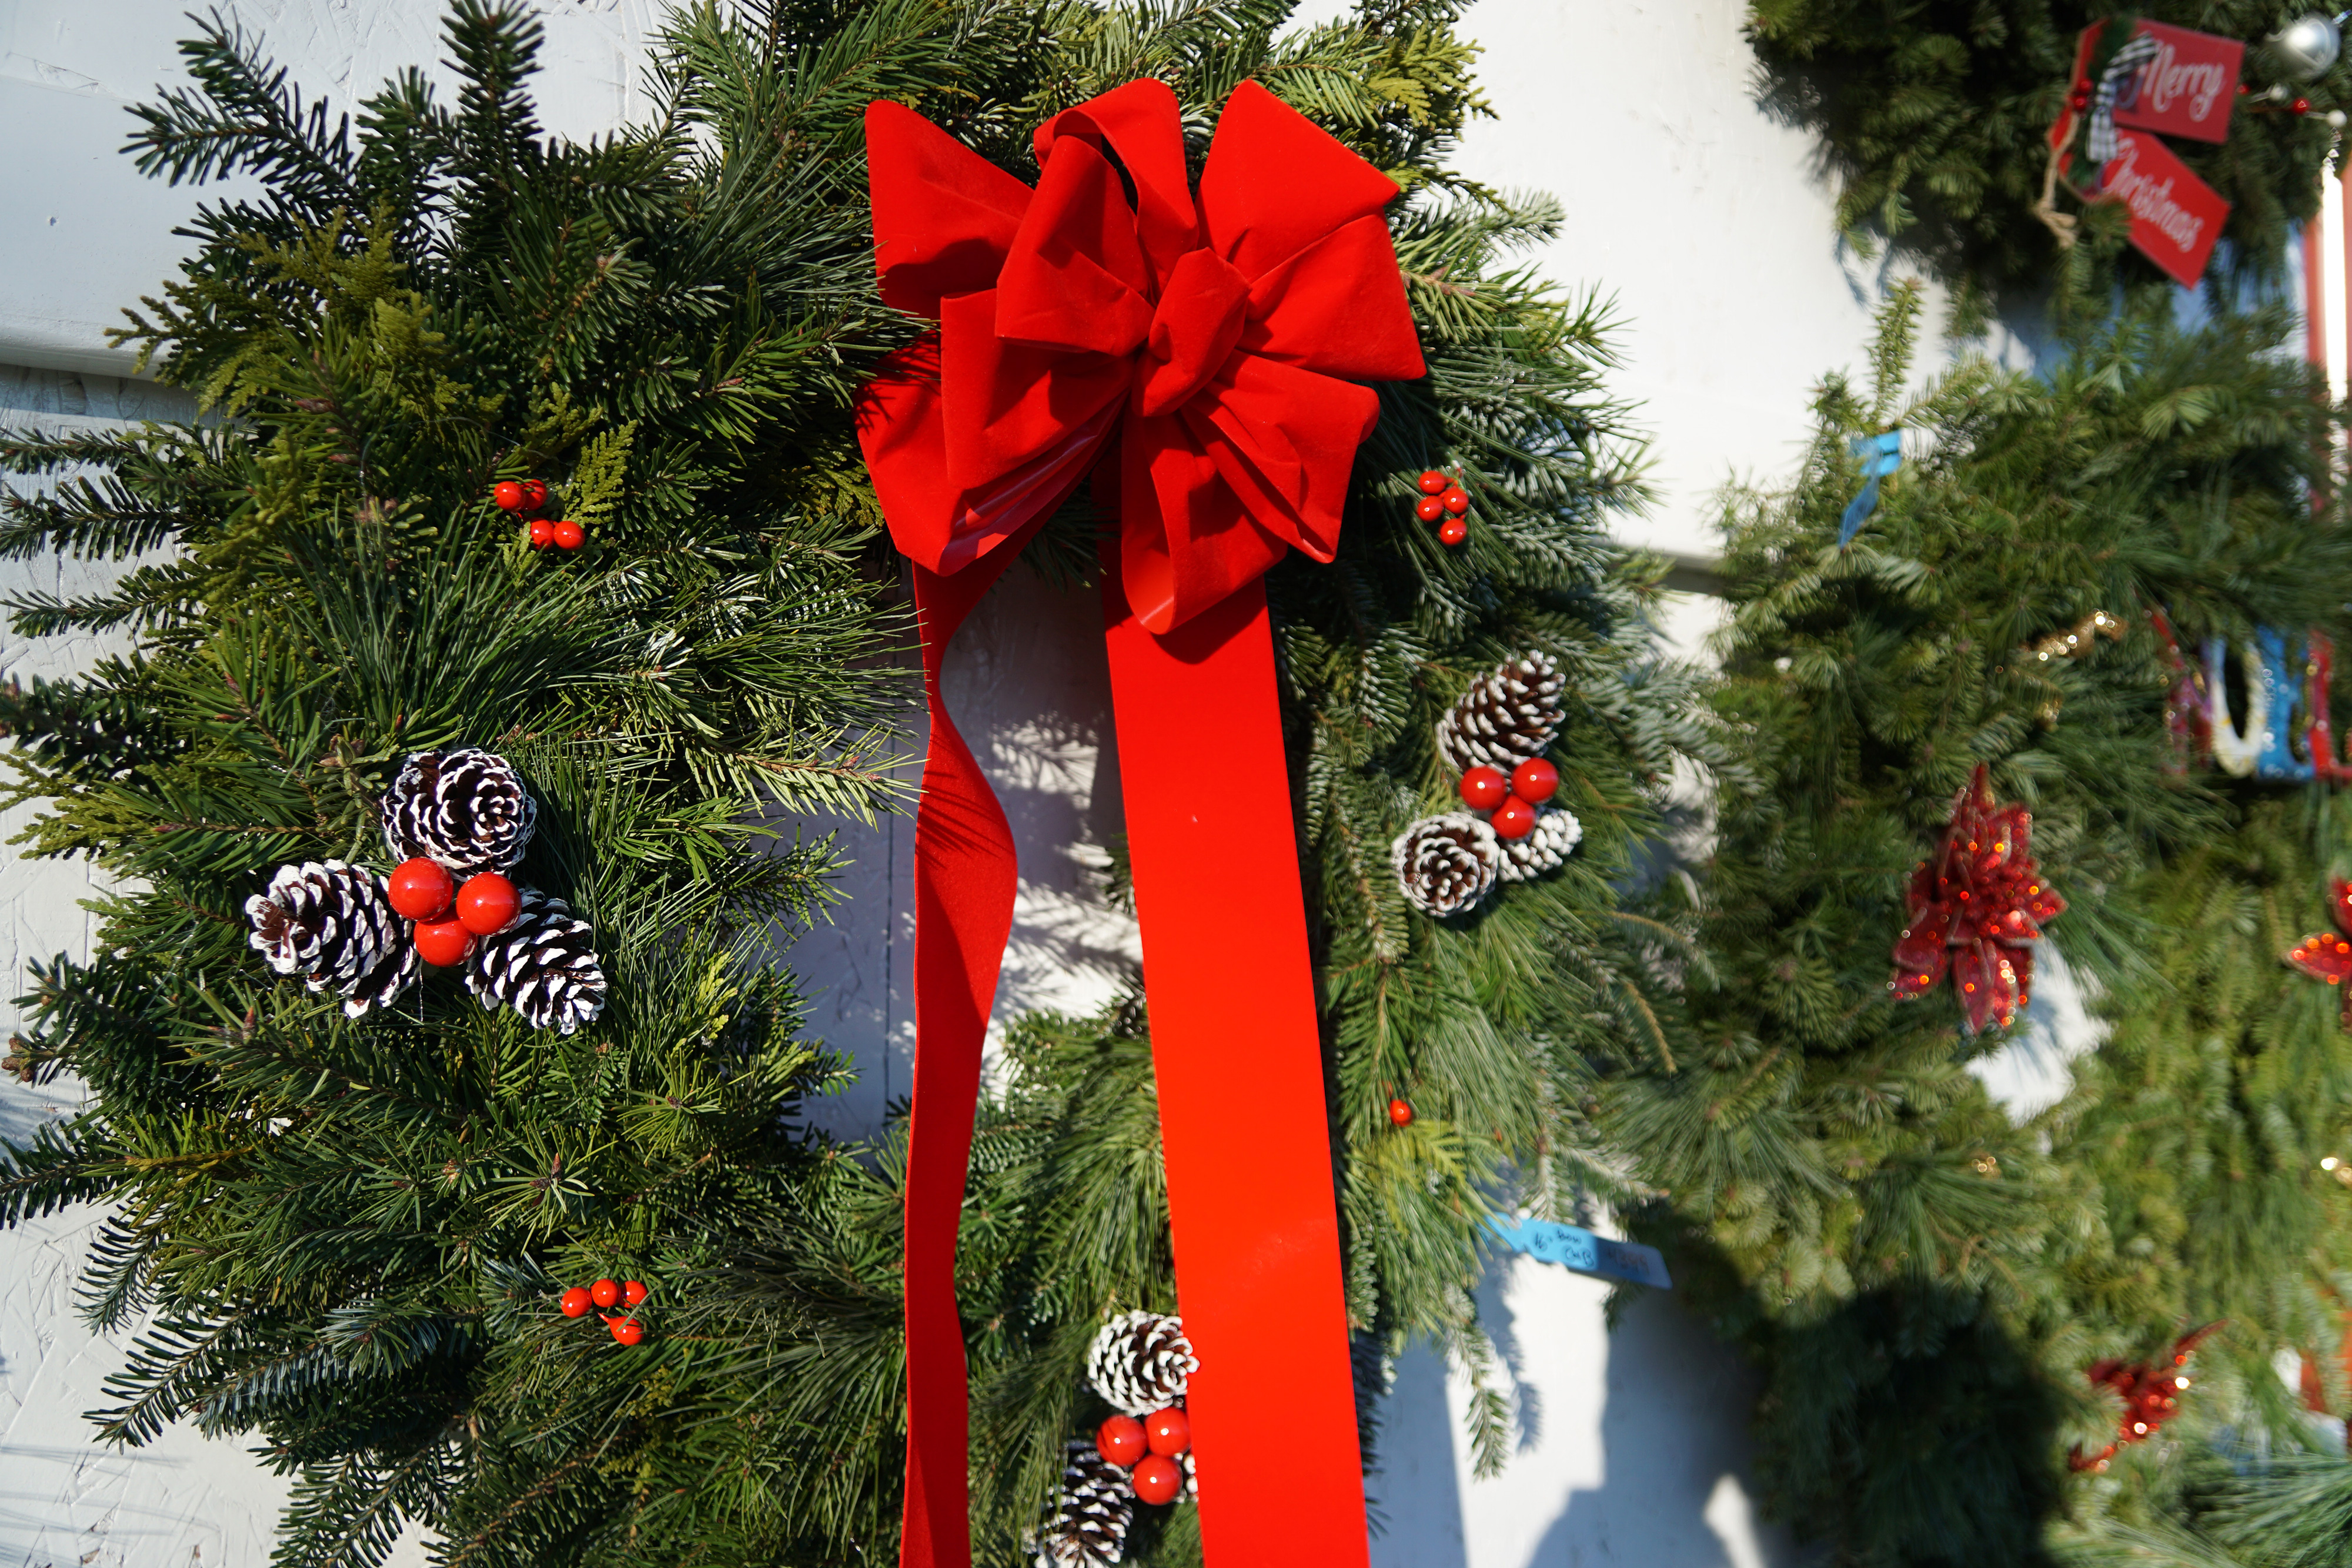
x=1197 y=322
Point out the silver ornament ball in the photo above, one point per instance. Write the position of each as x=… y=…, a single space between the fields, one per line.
x=2306 y=46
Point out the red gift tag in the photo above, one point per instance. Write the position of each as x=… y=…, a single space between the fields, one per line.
x=2187 y=90
x=2175 y=216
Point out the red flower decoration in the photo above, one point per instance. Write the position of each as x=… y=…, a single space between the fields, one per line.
x=2150 y=1395
x=1977 y=909
x=2328 y=955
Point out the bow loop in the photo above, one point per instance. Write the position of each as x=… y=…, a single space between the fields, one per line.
x=1075 y=277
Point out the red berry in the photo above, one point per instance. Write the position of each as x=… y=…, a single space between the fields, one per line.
x=1514 y=819
x=2080 y=101
x=1456 y=501
x=1483 y=789
x=542 y=533
x=534 y=493
x=1428 y=509
x=570 y=535
x=1534 y=781
x=632 y=1292
x=628 y=1331
x=1432 y=482
x=605 y=1292
x=1120 y=1440
x=418 y=890
x=442 y=943
x=1157 y=1478
x=2301 y=106
x=1168 y=1431
x=1400 y=1112
x=576 y=1302
x=506 y=493
x=1452 y=531
x=487 y=903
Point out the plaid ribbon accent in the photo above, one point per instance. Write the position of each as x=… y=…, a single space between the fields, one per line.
x=2126 y=63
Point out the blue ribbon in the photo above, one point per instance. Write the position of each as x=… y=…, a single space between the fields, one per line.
x=1575 y=1248
x=2276 y=758
x=1881 y=455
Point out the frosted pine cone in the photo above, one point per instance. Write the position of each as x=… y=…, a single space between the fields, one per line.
x=1508 y=714
x=1445 y=864
x=1089 y=1527
x=543 y=966
x=1141 y=1362
x=467 y=810
x=1557 y=833
x=331 y=925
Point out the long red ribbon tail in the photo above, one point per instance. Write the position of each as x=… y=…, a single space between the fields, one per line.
x=1238 y=1058
x=965 y=877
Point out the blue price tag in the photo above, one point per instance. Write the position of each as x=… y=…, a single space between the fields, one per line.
x=1573 y=1247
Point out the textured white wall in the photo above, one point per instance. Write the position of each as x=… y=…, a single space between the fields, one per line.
x=1702 y=214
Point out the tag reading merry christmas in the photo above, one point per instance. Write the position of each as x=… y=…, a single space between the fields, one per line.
x=2175 y=216
x=2185 y=89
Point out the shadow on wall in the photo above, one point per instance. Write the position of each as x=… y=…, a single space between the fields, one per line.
x=1029 y=685
x=1630 y=1449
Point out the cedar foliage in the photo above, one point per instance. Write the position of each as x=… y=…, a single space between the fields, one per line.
x=1923 y=1282
x=1935 y=116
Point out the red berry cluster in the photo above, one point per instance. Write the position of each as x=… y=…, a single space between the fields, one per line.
x=1147 y=1450
x=1400 y=1112
x=1512 y=801
x=527 y=495
x=605 y=1293
x=448 y=917
x=1442 y=498
x=2150 y=1396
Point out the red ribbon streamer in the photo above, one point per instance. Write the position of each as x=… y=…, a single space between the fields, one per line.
x=1210 y=338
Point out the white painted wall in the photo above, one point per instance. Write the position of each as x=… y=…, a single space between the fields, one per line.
x=1703 y=216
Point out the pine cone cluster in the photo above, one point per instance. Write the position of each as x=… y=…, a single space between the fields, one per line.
x=1141 y=1362
x=1557 y=833
x=464 y=809
x=330 y=924
x=543 y=966
x=1089 y=1527
x=1445 y=864
x=1508 y=714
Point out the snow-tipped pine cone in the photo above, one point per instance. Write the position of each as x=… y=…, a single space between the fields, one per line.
x=1557 y=833
x=330 y=924
x=543 y=966
x=464 y=809
x=1445 y=864
x=1089 y=1526
x=1141 y=1362
x=1510 y=714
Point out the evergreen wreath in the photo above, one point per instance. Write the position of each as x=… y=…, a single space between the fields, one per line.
x=1935 y=116
x=348 y=1239
x=1926 y=1320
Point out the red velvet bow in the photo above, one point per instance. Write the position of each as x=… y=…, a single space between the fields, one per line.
x=1208 y=334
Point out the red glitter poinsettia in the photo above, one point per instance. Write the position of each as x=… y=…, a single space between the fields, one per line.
x=1977 y=909
x=2328 y=955
x=2150 y=1395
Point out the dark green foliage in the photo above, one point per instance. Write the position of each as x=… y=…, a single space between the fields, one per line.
x=1936 y=116
x=344 y=1237
x=1906 y=1262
